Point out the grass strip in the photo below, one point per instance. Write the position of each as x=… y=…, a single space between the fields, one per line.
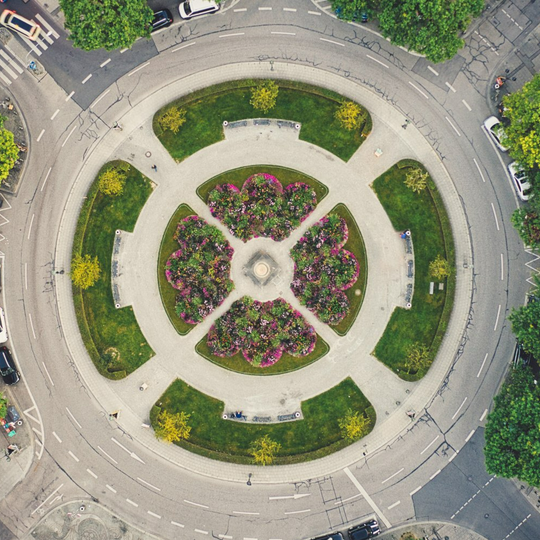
x=112 y=336
x=309 y=105
x=315 y=436
x=427 y=320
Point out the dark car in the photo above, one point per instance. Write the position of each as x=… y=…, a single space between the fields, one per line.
x=364 y=531
x=7 y=367
x=162 y=19
x=333 y=536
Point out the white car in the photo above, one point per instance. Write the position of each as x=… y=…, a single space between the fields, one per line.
x=520 y=181
x=193 y=8
x=495 y=130
x=3 y=329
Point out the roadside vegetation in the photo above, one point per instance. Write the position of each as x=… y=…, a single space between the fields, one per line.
x=413 y=336
x=112 y=336
x=318 y=434
x=206 y=110
x=9 y=152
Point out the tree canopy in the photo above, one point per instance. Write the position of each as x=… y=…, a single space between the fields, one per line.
x=9 y=153
x=85 y=271
x=512 y=431
x=526 y=326
x=108 y=24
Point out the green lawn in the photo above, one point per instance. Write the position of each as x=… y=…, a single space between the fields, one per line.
x=238 y=176
x=285 y=364
x=311 y=106
x=315 y=436
x=112 y=336
x=424 y=214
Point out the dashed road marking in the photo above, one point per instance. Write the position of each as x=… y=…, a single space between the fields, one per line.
x=149 y=512
x=73 y=418
x=86 y=79
x=378 y=61
x=200 y=531
x=232 y=35
x=418 y=90
x=479 y=170
x=110 y=488
x=453 y=127
x=138 y=68
x=283 y=33
x=40 y=135
x=348 y=499
x=466 y=105
x=55 y=113
x=105 y=453
x=91 y=473
x=482 y=366
x=195 y=504
x=148 y=484
x=415 y=491
x=246 y=513
x=70 y=95
x=468 y=438
x=497 y=319
x=333 y=42
x=132 y=503
x=483 y=415
x=433 y=71
x=394 y=505
x=429 y=445
x=434 y=474
x=103 y=64
x=459 y=408
x=57 y=437
x=395 y=474
x=451 y=87
x=292 y=10
x=176 y=524
x=73 y=456
x=297 y=512
x=495 y=216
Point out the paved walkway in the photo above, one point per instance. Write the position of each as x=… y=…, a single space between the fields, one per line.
x=350 y=356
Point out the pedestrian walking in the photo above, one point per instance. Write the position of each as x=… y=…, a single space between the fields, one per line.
x=154 y=167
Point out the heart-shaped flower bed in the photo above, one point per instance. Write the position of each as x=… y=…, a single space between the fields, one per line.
x=200 y=269
x=262 y=207
x=263 y=331
x=323 y=269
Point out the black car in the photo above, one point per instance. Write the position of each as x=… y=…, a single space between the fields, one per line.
x=365 y=531
x=162 y=19
x=333 y=536
x=7 y=367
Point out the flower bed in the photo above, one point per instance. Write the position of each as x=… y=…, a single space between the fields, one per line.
x=263 y=331
x=200 y=269
x=323 y=270
x=262 y=207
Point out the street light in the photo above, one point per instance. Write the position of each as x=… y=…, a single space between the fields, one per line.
x=249 y=479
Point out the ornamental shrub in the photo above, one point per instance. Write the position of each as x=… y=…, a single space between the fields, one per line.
x=416 y=180
x=172 y=119
x=264 y=95
x=350 y=115
x=85 y=271
x=9 y=153
x=112 y=181
x=353 y=425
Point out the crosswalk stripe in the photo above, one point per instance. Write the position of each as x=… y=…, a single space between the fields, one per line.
x=48 y=26
x=11 y=61
x=11 y=73
x=4 y=78
x=42 y=44
x=33 y=47
x=47 y=38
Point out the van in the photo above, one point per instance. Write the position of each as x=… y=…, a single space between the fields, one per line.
x=21 y=25
x=193 y=8
x=7 y=367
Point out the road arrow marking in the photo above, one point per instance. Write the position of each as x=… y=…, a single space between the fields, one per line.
x=132 y=454
x=295 y=496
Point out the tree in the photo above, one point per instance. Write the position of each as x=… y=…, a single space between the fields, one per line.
x=264 y=95
x=109 y=24
x=172 y=119
x=353 y=425
x=526 y=326
x=350 y=115
x=264 y=450
x=523 y=130
x=85 y=271
x=416 y=180
x=350 y=9
x=112 y=181
x=173 y=427
x=417 y=357
x=512 y=443
x=3 y=406
x=9 y=153
x=439 y=268
x=527 y=223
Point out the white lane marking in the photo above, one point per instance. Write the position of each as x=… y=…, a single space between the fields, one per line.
x=40 y=135
x=132 y=503
x=495 y=216
x=74 y=419
x=429 y=445
x=91 y=473
x=366 y=496
x=69 y=135
x=103 y=64
x=55 y=113
x=86 y=79
x=200 y=531
x=394 y=505
x=418 y=90
x=453 y=127
x=433 y=71
x=110 y=488
x=295 y=496
x=454 y=455
x=153 y=515
x=57 y=437
x=482 y=366
x=283 y=33
x=237 y=10
x=466 y=105
x=415 y=491
x=11 y=73
x=232 y=35
x=225 y=536
x=148 y=484
x=48 y=26
x=32 y=325
x=184 y=46
x=30 y=228
x=247 y=513
x=5 y=79
x=70 y=95
x=479 y=170
x=26 y=276
x=376 y=60
x=27 y=413
x=100 y=98
x=314 y=13
x=333 y=42
x=459 y=408
x=292 y=10
x=195 y=504
x=36 y=509
x=297 y=512
x=348 y=499
x=434 y=474
x=497 y=319
x=467 y=439
x=450 y=86
x=502 y=268
x=122 y=51
x=395 y=474
x=175 y=523
x=265 y=9
x=105 y=453
x=132 y=454
x=483 y=415
x=38 y=433
x=138 y=68
x=73 y=456
x=47 y=372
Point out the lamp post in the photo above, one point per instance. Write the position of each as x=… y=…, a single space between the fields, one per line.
x=249 y=479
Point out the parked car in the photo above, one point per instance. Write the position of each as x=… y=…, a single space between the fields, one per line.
x=3 y=329
x=495 y=130
x=7 y=367
x=26 y=28
x=520 y=181
x=333 y=536
x=194 y=8
x=366 y=530
x=162 y=19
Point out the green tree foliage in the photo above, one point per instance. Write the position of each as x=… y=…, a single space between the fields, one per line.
x=172 y=119
x=417 y=357
x=527 y=223
x=263 y=450
x=350 y=9
x=526 y=326
x=264 y=95
x=350 y=115
x=523 y=131
x=439 y=268
x=109 y=24
x=416 y=180
x=9 y=153
x=3 y=406
x=512 y=432
x=173 y=427
x=85 y=271
x=353 y=425
x=112 y=181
